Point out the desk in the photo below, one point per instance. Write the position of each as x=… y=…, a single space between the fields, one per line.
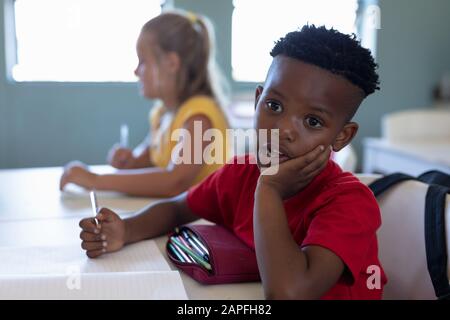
x=33 y=212
x=34 y=194
x=412 y=158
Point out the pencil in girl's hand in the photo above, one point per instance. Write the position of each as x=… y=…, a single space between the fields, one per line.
x=124 y=136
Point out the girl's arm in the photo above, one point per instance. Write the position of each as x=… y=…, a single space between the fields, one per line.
x=149 y=182
x=142 y=154
x=159 y=182
x=123 y=158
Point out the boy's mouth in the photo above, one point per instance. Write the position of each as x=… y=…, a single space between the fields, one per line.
x=280 y=153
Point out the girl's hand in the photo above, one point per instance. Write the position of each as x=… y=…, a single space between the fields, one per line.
x=77 y=172
x=108 y=236
x=121 y=158
x=295 y=174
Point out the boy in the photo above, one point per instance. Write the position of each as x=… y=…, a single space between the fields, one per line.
x=313 y=227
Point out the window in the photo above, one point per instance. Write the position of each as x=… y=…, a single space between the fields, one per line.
x=79 y=40
x=257 y=24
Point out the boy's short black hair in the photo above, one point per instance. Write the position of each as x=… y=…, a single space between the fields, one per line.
x=336 y=52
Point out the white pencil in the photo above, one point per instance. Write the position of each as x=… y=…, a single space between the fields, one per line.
x=124 y=136
x=94 y=205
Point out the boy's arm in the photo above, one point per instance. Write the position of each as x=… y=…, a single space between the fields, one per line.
x=158 y=219
x=113 y=233
x=287 y=271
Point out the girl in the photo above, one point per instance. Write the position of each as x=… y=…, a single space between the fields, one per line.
x=175 y=66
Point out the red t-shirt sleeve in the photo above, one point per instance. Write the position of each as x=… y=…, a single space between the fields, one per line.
x=203 y=199
x=347 y=226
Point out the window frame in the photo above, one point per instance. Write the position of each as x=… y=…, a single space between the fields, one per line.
x=221 y=18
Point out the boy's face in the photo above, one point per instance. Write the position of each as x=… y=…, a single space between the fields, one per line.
x=309 y=105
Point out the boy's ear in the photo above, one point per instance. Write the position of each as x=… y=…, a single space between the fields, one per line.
x=258 y=92
x=345 y=136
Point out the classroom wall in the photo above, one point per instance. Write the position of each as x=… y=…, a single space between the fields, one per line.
x=219 y=13
x=48 y=124
x=413 y=51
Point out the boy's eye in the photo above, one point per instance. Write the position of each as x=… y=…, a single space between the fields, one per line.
x=274 y=106
x=314 y=122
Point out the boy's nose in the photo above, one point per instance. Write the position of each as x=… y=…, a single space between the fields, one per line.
x=288 y=129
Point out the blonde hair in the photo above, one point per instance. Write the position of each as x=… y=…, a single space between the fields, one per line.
x=191 y=37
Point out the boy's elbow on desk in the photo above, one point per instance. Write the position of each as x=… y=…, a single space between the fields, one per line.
x=290 y=290
x=280 y=294
x=287 y=294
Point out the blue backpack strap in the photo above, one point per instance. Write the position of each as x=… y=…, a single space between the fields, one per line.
x=435 y=239
x=435 y=177
x=384 y=183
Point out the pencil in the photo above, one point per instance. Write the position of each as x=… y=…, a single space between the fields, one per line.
x=193 y=245
x=192 y=254
x=195 y=238
x=94 y=206
x=185 y=256
x=177 y=254
x=124 y=136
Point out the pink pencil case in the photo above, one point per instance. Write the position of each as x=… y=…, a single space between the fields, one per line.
x=230 y=260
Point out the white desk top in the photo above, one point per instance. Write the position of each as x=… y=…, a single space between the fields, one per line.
x=33 y=213
x=34 y=194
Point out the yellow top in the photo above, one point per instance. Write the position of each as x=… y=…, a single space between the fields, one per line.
x=163 y=123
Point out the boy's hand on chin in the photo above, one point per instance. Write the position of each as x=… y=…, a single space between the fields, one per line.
x=294 y=174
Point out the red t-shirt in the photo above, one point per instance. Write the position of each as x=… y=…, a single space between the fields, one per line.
x=335 y=211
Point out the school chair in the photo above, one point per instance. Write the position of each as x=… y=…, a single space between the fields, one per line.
x=401 y=240
x=421 y=125
x=346 y=158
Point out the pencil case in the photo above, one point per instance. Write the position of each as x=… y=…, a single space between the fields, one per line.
x=230 y=259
